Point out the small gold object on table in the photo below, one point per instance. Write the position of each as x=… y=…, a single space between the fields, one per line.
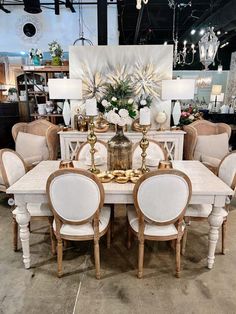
x=65 y=164
x=164 y=165
x=91 y=112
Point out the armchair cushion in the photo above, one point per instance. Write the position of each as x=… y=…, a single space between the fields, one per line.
x=28 y=145
x=212 y=145
x=210 y=160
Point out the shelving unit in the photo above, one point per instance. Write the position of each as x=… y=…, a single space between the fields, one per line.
x=36 y=77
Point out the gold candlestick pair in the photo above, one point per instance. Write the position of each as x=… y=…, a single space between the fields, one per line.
x=144 y=143
x=92 y=139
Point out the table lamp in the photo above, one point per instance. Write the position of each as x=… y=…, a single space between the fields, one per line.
x=179 y=89
x=216 y=91
x=65 y=89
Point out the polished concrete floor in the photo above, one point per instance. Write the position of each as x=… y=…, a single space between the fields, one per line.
x=38 y=290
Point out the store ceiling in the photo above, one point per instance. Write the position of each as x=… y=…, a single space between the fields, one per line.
x=156 y=24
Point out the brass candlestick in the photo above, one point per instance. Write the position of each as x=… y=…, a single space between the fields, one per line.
x=144 y=143
x=92 y=139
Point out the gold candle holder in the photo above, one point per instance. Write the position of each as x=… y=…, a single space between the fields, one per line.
x=92 y=139
x=144 y=143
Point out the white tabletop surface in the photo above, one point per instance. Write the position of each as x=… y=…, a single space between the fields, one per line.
x=204 y=182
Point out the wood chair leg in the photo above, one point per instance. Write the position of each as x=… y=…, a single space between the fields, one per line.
x=140 y=258
x=223 y=230
x=52 y=236
x=15 y=234
x=177 y=258
x=129 y=236
x=97 y=258
x=184 y=241
x=59 y=258
x=109 y=237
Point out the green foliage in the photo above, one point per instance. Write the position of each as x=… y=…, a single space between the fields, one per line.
x=121 y=90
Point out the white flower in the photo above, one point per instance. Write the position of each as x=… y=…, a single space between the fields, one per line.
x=105 y=103
x=128 y=120
x=123 y=113
x=115 y=109
x=114 y=99
x=113 y=117
x=130 y=101
x=191 y=117
x=122 y=122
x=143 y=102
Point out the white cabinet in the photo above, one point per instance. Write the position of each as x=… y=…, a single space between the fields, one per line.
x=173 y=141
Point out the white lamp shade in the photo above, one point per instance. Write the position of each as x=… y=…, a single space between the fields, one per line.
x=216 y=90
x=219 y=97
x=65 y=88
x=178 y=89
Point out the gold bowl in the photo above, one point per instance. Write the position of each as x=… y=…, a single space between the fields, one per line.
x=134 y=179
x=164 y=165
x=64 y=164
x=122 y=179
x=118 y=173
x=105 y=177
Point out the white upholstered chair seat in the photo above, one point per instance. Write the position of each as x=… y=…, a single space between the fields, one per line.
x=87 y=228
x=201 y=210
x=37 y=210
x=150 y=229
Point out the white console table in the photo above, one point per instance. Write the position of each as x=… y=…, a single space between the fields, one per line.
x=173 y=141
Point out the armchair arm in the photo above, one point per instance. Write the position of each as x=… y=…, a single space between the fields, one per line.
x=190 y=141
x=52 y=140
x=19 y=127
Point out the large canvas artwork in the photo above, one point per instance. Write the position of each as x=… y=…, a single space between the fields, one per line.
x=144 y=66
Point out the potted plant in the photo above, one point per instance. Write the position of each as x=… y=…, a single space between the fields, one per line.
x=12 y=94
x=56 y=52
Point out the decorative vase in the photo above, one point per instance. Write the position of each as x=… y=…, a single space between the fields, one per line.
x=56 y=61
x=119 y=151
x=36 y=60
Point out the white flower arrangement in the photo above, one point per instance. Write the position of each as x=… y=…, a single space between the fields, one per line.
x=55 y=49
x=35 y=53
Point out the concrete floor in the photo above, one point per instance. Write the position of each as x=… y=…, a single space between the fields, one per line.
x=38 y=290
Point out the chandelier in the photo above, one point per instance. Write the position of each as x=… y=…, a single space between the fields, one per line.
x=139 y=3
x=186 y=55
x=208 y=46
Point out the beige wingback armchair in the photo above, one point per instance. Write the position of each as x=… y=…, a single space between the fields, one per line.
x=206 y=141
x=42 y=137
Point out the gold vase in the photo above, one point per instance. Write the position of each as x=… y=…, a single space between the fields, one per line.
x=119 y=151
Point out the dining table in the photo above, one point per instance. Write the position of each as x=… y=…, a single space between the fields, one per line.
x=207 y=188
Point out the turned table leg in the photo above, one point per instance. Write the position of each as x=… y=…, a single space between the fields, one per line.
x=23 y=218
x=215 y=220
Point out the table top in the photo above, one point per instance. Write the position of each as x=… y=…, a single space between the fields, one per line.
x=204 y=182
x=128 y=133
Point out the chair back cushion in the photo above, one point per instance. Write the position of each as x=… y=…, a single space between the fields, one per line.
x=154 y=152
x=84 y=151
x=216 y=146
x=30 y=145
x=227 y=169
x=75 y=195
x=162 y=196
x=12 y=166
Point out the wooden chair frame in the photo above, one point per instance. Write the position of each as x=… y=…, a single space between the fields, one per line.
x=14 y=222
x=188 y=219
x=178 y=221
x=95 y=217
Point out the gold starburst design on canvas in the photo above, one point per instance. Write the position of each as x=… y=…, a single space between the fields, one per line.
x=118 y=75
x=94 y=85
x=146 y=80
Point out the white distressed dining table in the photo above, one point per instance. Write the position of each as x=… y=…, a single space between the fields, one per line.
x=206 y=189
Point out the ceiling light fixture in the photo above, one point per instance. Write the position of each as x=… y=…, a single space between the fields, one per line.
x=139 y=3
x=193 y=31
x=208 y=46
x=187 y=53
x=218 y=32
x=224 y=44
x=202 y=31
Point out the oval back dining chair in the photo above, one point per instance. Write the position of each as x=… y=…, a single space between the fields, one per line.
x=13 y=167
x=160 y=200
x=155 y=153
x=76 y=198
x=227 y=173
x=83 y=152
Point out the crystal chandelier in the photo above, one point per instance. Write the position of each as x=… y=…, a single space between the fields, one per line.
x=208 y=46
x=187 y=53
x=139 y=3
